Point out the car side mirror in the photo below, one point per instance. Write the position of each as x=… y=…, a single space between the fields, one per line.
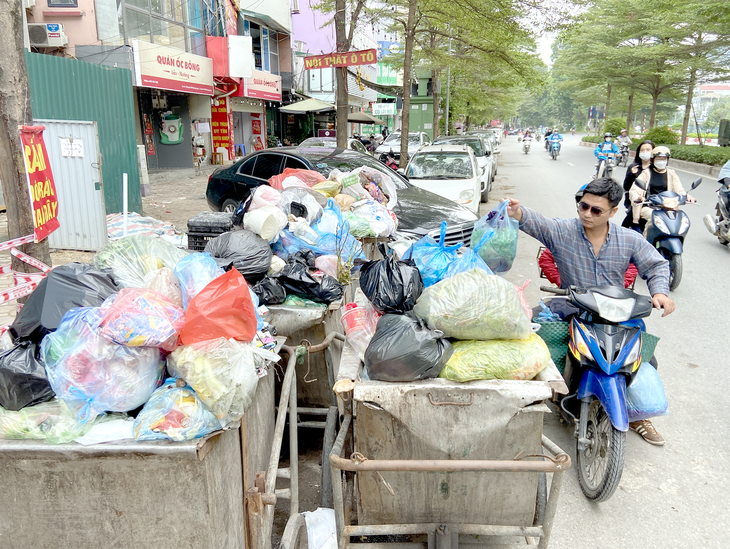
x=497 y=151
x=402 y=171
x=484 y=169
x=696 y=183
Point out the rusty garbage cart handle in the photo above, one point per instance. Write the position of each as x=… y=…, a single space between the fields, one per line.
x=447 y=403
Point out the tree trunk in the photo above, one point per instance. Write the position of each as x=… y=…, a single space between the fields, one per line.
x=608 y=104
x=654 y=100
x=341 y=75
x=629 y=113
x=434 y=92
x=407 y=66
x=14 y=112
x=688 y=106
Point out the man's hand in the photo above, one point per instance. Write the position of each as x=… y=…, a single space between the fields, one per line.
x=513 y=208
x=661 y=301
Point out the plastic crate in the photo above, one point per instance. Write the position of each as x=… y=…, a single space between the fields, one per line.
x=211 y=222
x=197 y=241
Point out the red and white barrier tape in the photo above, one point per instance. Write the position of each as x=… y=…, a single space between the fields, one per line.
x=23 y=283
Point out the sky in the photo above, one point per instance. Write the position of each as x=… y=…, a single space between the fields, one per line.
x=544 y=44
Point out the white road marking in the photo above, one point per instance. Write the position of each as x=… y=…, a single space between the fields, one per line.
x=571 y=164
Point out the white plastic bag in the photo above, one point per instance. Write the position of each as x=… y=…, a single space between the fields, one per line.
x=378 y=216
x=108 y=431
x=264 y=196
x=321 y=529
x=302 y=196
x=165 y=283
x=277 y=265
x=327 y=264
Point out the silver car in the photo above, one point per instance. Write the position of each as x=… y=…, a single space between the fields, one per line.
x=391 y=145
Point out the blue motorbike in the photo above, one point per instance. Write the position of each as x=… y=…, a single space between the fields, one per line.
x=604 y=355
x=554 y=149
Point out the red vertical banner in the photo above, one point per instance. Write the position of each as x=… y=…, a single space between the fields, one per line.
x=221 y=126
x=41 y=187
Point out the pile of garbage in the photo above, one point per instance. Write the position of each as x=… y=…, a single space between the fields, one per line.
x=149 y=342
x=441 y=311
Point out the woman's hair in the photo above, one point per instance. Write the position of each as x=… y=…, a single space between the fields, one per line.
x=644 y=142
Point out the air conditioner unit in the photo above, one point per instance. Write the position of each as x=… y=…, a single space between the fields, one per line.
x=295 y=6
x=47 y=35
x=28 y=4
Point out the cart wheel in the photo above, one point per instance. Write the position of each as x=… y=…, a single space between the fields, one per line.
x=326 y=497
x=540 y=500
x=295 y=533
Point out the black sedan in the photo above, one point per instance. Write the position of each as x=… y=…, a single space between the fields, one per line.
x=419 y=211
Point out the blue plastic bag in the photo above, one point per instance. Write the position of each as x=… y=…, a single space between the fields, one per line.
x=433 y=258
x=332 y=220
x=195 y=272
x=470 y=259
x=255 y=300
x=499 y=251
x=328 y=244
x=174 y=412
x=645 y=396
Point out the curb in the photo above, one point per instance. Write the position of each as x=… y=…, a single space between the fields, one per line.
x=705 y=169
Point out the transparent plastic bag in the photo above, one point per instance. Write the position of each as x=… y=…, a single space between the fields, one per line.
x=132 y=258
x=503 y=359
x=53 y=421
x=382 y=221
x=645 y=397
x=174 y=412
x=165 y=283
x=474 y=305
x=223 y=374
x=142 y=318
x=327 y=264
x=500 y=249
x=94 y=374
x=359 y=226
x=332 y=220
x=433 y=258
x=195 y=272
x=328 y=188
x=290 y=196
x=264 y=195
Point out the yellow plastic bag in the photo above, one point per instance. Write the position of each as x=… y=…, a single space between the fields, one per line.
x=328 y=188
x=502 y=359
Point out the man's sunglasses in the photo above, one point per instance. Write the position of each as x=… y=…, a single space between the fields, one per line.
x=594 y=210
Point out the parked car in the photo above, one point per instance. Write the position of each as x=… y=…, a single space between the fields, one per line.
x=483 y=152
x=331 y=142
x=419 y=212
x=490 y=136
x=451 y=171
x=391 y=145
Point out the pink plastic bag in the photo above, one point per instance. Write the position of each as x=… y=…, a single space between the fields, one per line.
x=296 y=178
x=264 y=196
x=327 y=264
x=523 y=299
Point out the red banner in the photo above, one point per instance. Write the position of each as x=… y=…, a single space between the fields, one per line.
x=343 y=59
x=41 y=188
x=221 y=126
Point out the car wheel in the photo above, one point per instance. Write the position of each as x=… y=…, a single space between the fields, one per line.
x=485 y=193
x=229 y=205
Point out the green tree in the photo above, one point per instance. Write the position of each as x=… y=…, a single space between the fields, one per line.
x=720 y=109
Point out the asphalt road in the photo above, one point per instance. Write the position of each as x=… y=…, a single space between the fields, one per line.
x=676 y=496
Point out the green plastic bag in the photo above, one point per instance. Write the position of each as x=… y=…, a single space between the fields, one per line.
x=504 y=359
x=500 y=249
x=359 y=226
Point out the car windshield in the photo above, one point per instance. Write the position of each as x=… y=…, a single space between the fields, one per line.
x=440 y=165
x=313 y=142
x=475 y=144
x=394 y=139
x=347 y=160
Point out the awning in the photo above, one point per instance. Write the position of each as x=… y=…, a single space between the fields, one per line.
x=364 y=118
x=265 y=20
x=308 y=105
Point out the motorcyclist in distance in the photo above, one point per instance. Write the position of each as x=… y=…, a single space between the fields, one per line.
x=555 y=137
x=623 y=139
x=602 y=150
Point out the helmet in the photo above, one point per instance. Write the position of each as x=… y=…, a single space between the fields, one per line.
x=623 y=130
x=661 y=151
x=608 y=134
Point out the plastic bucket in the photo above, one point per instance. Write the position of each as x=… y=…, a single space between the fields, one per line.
x=265 y=222
x=354 y=319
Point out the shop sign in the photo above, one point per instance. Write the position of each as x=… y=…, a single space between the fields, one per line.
x=263 y=85
x=221 y=126
x=343 y=59
x=41 y=187
x=171 y=69
x=383 y=109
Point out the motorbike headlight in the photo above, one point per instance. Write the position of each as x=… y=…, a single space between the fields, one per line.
x=614 y=310
x=581 y=345
x=659 y=224
x=635 y=353
x=684 y=225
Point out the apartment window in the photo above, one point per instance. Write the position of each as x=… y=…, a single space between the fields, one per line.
x=274 y=52
x=265 y=49
x=255 y=33
x=138 y=25
x=166 y=33
x=63 y=4
x=172 y=23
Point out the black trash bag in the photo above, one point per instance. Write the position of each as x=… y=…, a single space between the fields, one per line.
x=66 y=287
x=392 y=286
x=296 y=279
x=269 y=291
x=305 y=257
x=404 y=349
x=247 y=252
x=23 y=380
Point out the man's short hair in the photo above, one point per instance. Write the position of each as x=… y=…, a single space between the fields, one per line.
x=603 y=186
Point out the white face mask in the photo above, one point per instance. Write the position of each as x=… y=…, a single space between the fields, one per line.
x=660 y=164
x=608 y=140
x=645 y=156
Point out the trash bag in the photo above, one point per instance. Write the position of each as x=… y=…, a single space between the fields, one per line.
x=292 y=177
x=328 y=264
x=645 y=397
x=222 y=309
x=93 y=374
x=195 y=272
x=433 y=258
x=359 y=226
x=53 y=422
x=474 y=305
x=470 y=259
x=269 y=291
x=65 y=287
x=142 y=318
x=328 y=244
x=23 y=380
x=331 y=221
x=382 y=221
x=255 y=303
x=223 y=374
x=330 y=189
x=344 y=201
x=392 y=286
x=249 y=253
x=360 y=324
x=174 y=412
x=132 y=258
x=277 y=265
x=500 y=359
x=296 y=279
x=264 y=196
x=305 y=257
x=321 y=528
x=165 y=283
x=293 y=200
x=404 y=349
x=500 y=250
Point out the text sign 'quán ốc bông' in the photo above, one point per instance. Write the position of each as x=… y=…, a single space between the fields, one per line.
x=341 y=59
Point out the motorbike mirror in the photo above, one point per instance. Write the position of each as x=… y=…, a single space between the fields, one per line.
x=725 y=181
x=696 y=183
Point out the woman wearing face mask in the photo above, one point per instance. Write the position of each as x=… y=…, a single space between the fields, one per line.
x=657 y=178
x=642 y=161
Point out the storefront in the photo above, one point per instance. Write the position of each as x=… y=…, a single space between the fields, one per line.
x=248 y=125
x=266 y=88
x=173 y=92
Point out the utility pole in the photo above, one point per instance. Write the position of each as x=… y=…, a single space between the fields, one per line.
x=15 y=112
x=448 y=91
x=341 y=74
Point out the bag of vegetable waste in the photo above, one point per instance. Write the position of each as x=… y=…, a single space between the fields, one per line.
x=500 y=250
x=222 y=372
x=23 y=380
x=195 y=272
x=499 y=359
x=392 y=286
x=404 y=349
x=249 y=254
x=174 y=412
x=433 y=258
x=359 y=226
x=645 y=397
x=474 y=305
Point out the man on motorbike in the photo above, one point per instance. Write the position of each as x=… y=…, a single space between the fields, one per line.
x=592 y=251
x=623 y=140
x=548 y=133
x=555 y=137
x=602 y=150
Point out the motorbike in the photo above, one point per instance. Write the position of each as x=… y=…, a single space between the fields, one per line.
x=624 y=160
x=572 y=132
x=606 y=166
x=391 y=163
x=719 y=224
x=669 y=227
x=604 y=355
x=526 y=144
x=554 y=149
